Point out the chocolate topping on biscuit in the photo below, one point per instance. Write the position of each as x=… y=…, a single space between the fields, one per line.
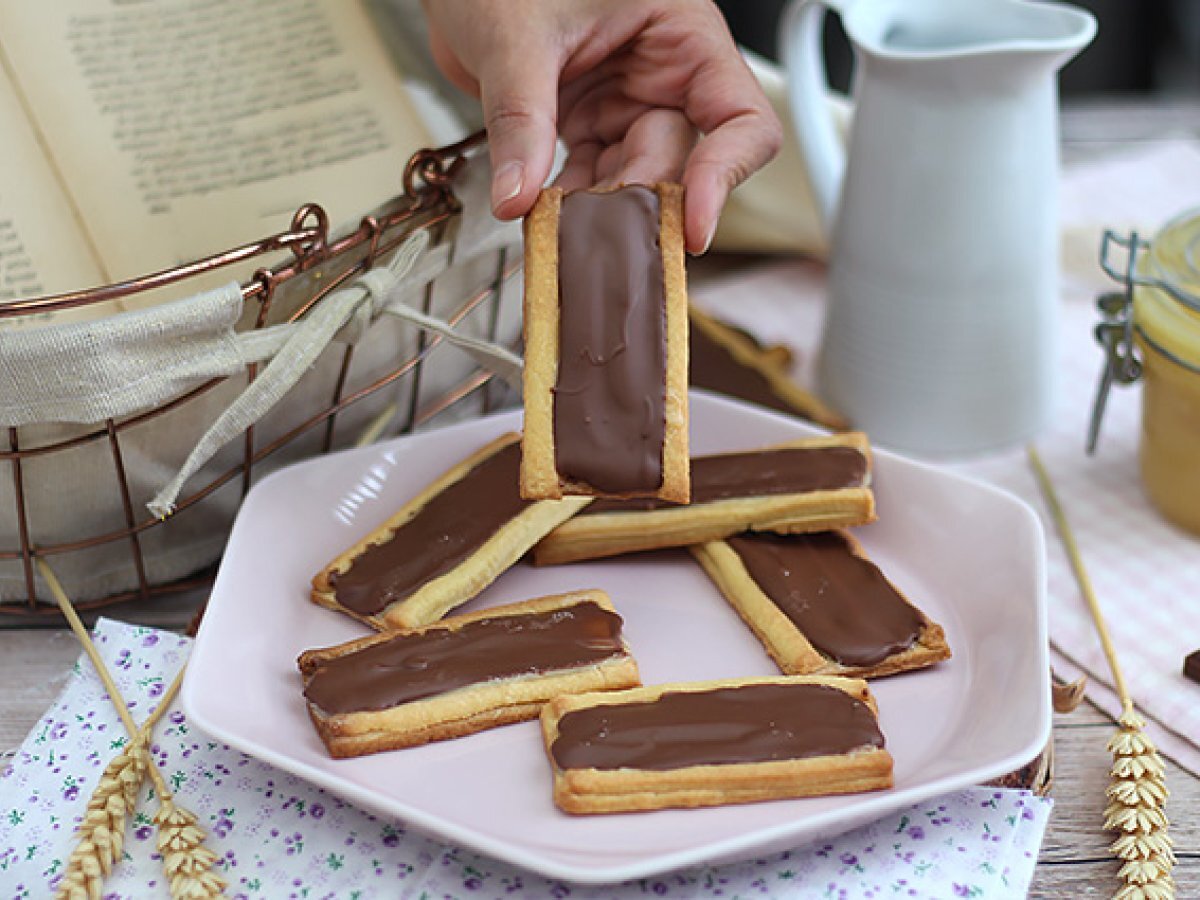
x=759 y=473
x=413 y=666
x=609 y=418
x=447 y=530
x=744 y=724
x=712 y=366
x=841 y=602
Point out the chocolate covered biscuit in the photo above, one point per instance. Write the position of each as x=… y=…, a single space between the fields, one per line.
x=463 y=674
x=809 y=484
x=730 y=361
x=819 y=605
x=1191 y=666
x=605 y=345
x=715 y=742
x=444 y=546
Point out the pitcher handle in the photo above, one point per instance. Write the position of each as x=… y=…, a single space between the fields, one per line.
x=803 y=58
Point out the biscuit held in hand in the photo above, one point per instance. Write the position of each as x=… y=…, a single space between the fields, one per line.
x=463 y=674
x=606 y=345
x=444 y=546
x=809 y=484
x=714 y=742
x=819 y=605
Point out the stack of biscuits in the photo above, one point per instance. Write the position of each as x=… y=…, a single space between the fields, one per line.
x=601 y=470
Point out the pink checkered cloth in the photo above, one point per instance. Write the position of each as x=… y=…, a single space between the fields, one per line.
x=1145 y=572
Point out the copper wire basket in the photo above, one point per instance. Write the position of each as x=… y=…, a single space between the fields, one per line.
x=315 y=266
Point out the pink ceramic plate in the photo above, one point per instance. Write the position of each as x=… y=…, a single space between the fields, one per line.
x=968 y=554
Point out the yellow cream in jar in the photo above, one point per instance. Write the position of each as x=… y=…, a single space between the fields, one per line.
x=1167 y=329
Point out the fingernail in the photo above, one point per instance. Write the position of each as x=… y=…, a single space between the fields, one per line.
x=712 y=230
x=507 y=183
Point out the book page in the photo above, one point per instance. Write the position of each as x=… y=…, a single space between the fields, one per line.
x=42 y=250
x=186 y=127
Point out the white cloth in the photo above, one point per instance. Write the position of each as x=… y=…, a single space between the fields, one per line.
x=87 y=372
x=276 y=836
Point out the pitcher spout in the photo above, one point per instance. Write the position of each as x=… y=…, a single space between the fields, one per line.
x=923 y=30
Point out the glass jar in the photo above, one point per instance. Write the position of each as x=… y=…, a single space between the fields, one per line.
x=1166 y=320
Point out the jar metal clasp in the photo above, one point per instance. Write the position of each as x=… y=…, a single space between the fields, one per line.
x=1115 y=331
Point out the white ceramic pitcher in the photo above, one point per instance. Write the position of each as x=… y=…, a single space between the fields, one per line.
x=940 y=334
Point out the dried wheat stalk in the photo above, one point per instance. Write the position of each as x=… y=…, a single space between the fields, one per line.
x=1138 y=791
x=102 y=831
x=187 y=862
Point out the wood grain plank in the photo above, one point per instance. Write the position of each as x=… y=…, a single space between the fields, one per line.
x=33 y=669
x=1075 y=860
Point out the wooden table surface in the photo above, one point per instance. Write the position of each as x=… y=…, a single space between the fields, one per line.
x=1075 y=861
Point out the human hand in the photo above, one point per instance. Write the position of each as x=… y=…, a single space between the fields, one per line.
x=639 y=90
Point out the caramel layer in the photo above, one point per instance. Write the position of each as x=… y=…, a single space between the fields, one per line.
x=841 y=602
x=747 y=724
x=447 y=530
x=609 y=418
x=759 y=473
x=413 y=666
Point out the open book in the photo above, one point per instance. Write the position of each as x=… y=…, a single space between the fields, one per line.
x=141 y=135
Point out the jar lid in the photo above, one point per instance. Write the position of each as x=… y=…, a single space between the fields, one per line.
x=1166 y=302
x=1174 y=258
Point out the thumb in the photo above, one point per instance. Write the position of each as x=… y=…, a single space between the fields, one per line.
x=519 y=90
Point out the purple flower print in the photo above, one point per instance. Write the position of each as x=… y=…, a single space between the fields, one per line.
x=512 y=885
x=224 y=823
x=294 y=844
x=342 y=850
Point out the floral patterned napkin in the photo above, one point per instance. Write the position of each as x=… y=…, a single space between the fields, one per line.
x=277 y=836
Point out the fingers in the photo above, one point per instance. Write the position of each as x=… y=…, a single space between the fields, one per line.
x=722 y=160
x=519 y=92
x=655 y=148
x=741 y=131
x=579 y=171
x=449 y=64
x=639 y=79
